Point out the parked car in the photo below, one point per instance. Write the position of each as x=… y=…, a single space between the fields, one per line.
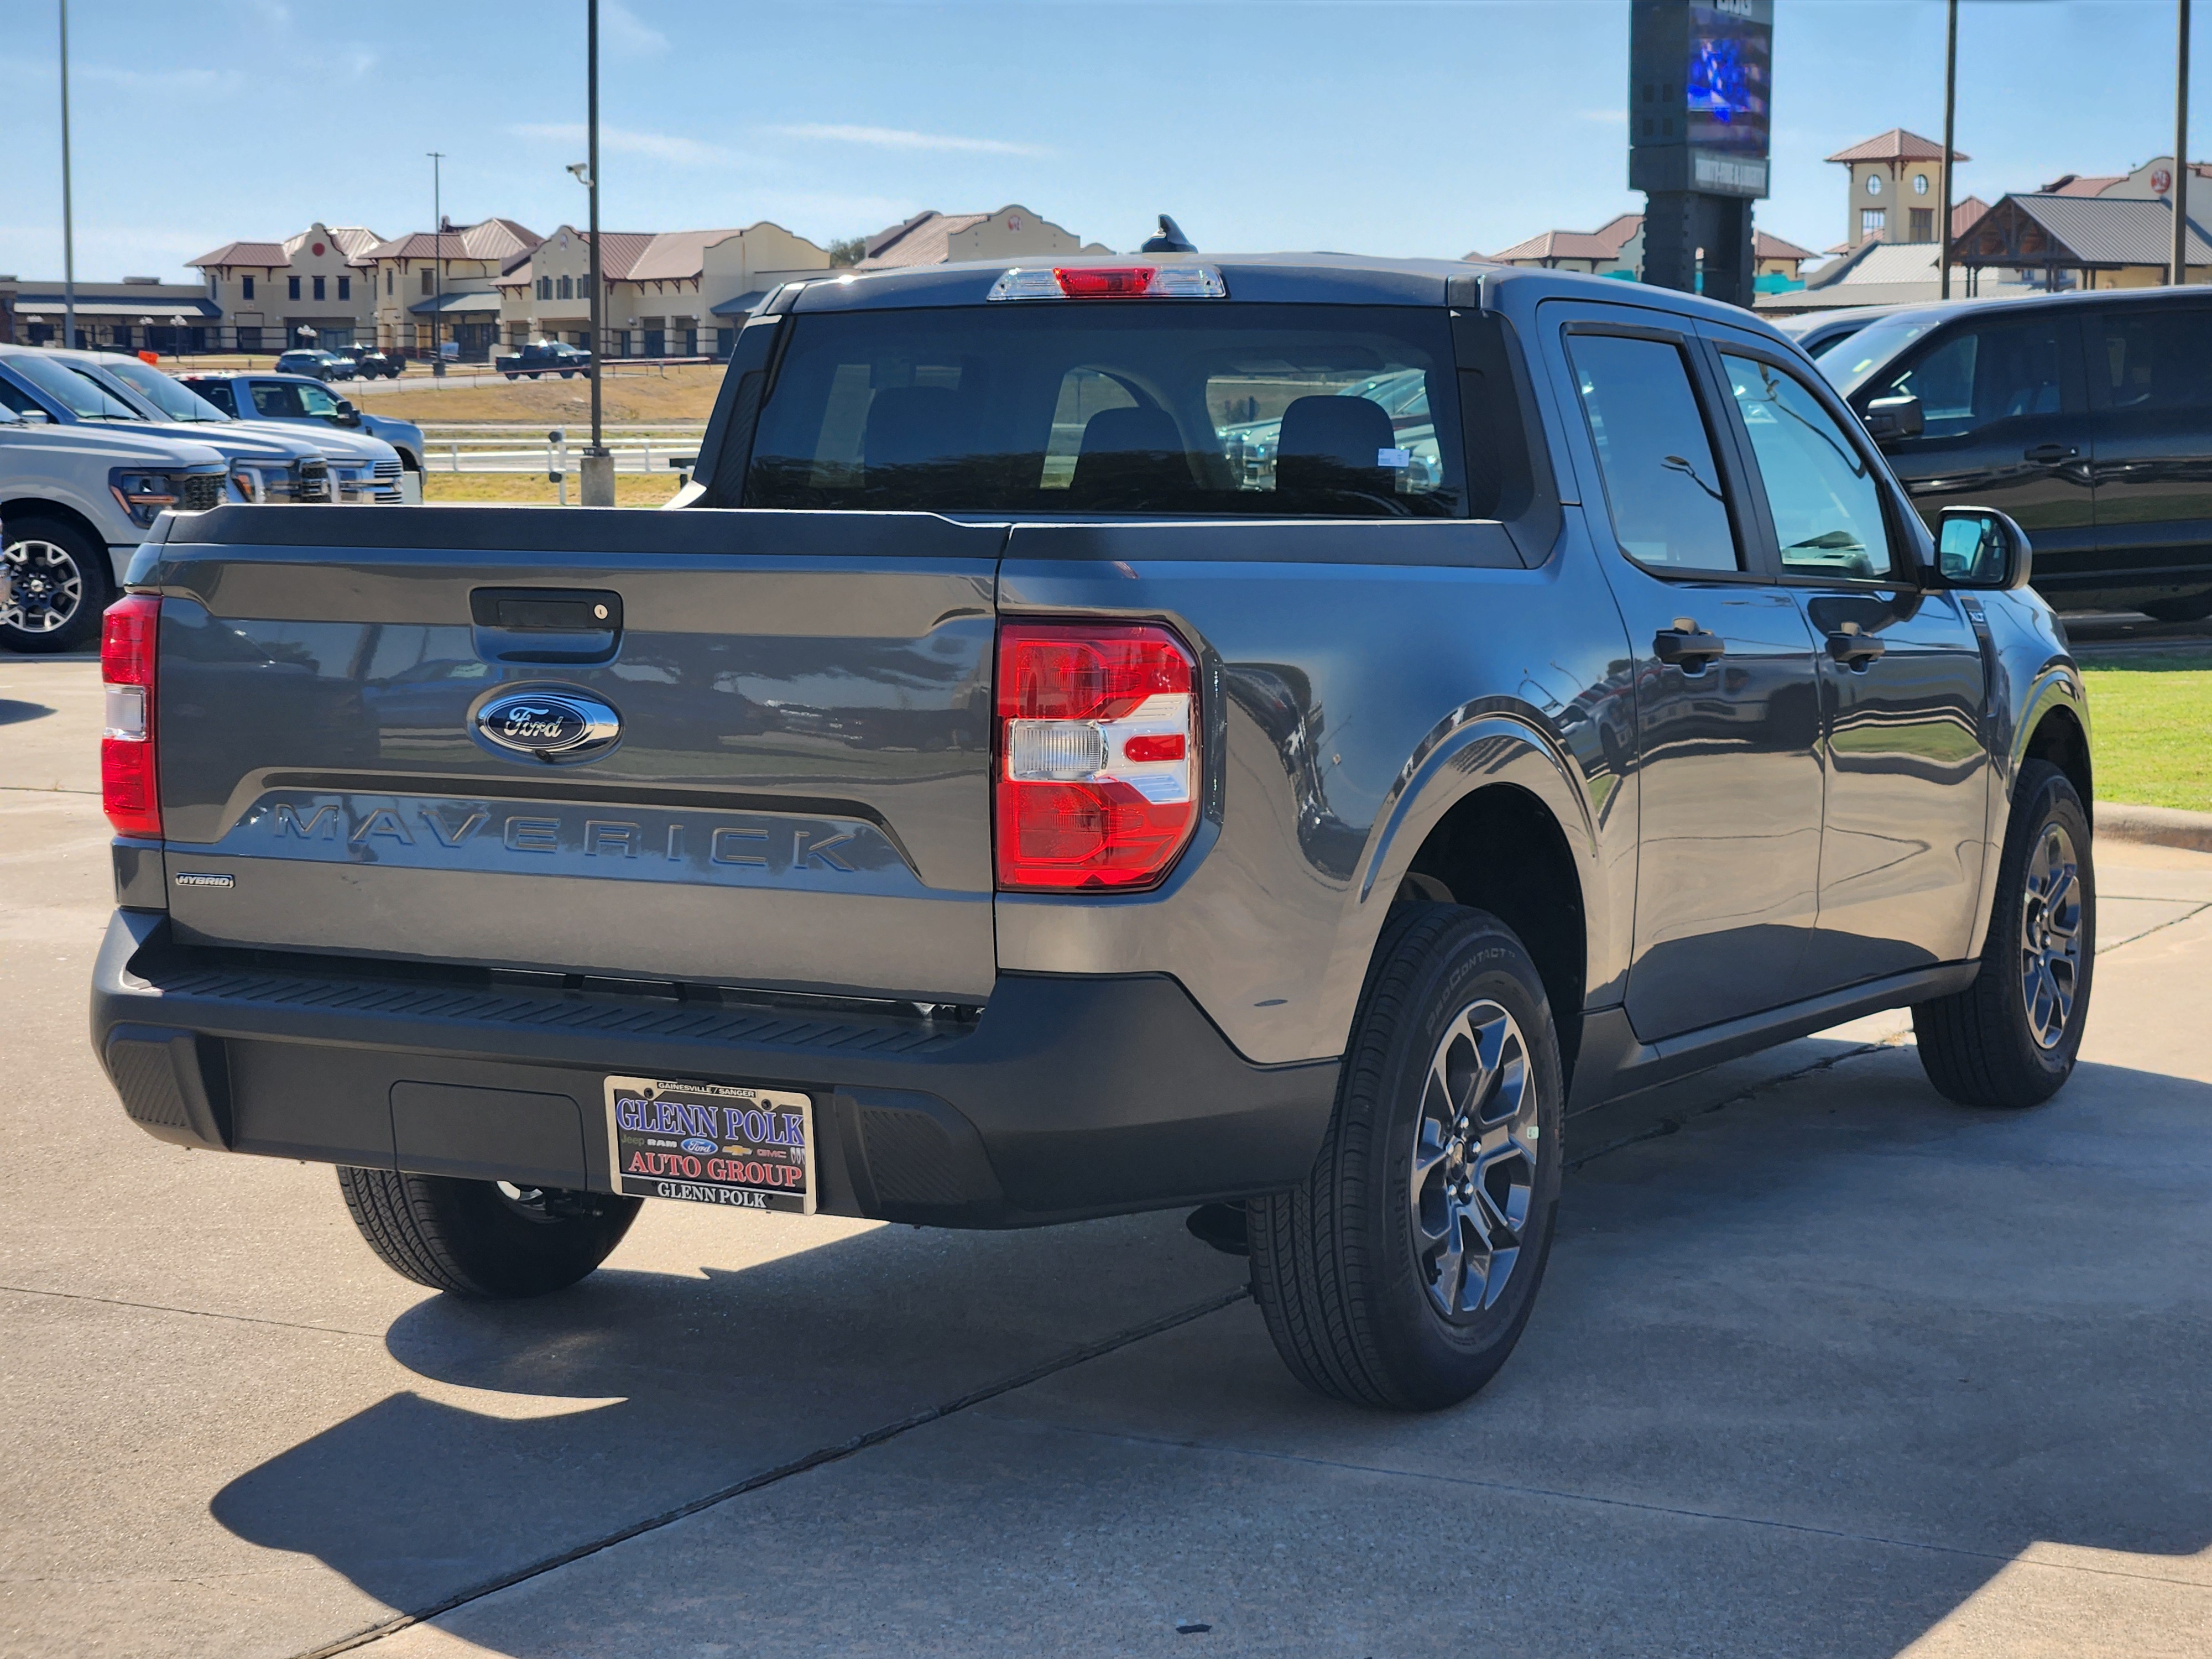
x=913 y=825
x=316 y=365
x=542 y=357
x=367 y=362
x=295 y=397
x=2088 y=416
x=355 y=469
x=1814 y=332
x=77 y=497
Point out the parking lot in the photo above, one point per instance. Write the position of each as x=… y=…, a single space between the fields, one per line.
x=1823 y=1365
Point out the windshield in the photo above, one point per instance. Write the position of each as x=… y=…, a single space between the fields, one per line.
x=176 y=400
x=78 y=394
x=1069 y=408
x=1851 y=361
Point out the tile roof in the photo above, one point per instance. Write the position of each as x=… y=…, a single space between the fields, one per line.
x=1964 y=214
x=676 y=255
x=1764 y=244
x=2073 y=184
x=501 y=240
x=265 y=255
x=1897 y=145
x=923 y=239
x=1561 y=244
x=351 y=239
x=1619 y=230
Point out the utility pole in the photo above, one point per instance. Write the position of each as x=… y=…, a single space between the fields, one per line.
x=438 y=258
x=2180 y=272
x=1950 y=127
x=69 y=218
x=598 y=466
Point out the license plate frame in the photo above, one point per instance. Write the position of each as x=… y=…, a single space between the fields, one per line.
x=657 y=1146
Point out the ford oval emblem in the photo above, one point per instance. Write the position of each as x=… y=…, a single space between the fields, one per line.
x=699 y=1144
x=553 y=724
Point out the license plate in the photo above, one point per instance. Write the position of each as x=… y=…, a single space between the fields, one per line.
x=711 y=1143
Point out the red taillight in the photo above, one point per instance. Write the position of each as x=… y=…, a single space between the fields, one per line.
x=1098 y=755
x=129 y=788
x=1104 y=281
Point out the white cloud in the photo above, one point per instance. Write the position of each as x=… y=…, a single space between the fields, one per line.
x=900 y=138
x=170 y=80
x=358 y=60
x=626 y=32
x=661 y=146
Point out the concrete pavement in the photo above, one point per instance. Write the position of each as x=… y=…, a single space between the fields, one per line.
x=1823 y=1365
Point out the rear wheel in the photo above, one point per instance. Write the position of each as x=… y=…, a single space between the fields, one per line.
x=2010 y=1038
x=2194 y=607
x=1402 y=1272
x=53 y=585
x=483 y=1238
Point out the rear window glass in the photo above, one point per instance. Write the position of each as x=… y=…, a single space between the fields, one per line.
x=1203 y=408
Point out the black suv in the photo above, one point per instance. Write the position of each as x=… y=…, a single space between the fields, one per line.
x=367 y=362
x=2086 y=417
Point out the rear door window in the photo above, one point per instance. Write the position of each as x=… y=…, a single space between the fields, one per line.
x=1661 y=482
x=2153 y=358
x=1335 y=411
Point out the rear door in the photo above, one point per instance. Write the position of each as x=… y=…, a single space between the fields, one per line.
x=2007 y=425
x=366 y=740
x=1727 y=769
x=1902 y=684
x=2150 y=383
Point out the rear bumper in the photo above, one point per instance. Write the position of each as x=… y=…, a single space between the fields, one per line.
x=1070 y=1097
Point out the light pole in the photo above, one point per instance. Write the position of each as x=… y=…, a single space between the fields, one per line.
x=68 y=220
x=2181 y=150
x=1950 y=123
x=598 y=466
x=438 y=258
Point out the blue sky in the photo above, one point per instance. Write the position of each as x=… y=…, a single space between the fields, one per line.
x=1372 y=126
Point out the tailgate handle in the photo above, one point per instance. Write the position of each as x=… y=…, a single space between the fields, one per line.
x=546 y=624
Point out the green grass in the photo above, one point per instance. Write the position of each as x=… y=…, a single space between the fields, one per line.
x=2151 y=727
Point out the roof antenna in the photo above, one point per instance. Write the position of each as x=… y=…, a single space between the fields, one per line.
x=1170 y=239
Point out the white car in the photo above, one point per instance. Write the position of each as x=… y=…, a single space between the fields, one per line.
x=79 y=499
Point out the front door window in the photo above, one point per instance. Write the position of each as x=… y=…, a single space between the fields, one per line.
x=1821 y=491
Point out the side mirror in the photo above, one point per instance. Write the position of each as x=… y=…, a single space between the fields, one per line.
x=1978 y=547
x=347 y=415
x=37 y=417
x=1888 y=419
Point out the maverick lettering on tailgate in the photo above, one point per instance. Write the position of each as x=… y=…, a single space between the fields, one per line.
x=751 y=1149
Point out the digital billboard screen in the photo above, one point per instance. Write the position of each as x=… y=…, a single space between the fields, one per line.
x=1731 y=80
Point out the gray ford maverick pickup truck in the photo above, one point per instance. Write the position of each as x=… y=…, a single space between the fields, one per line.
x=988 y=801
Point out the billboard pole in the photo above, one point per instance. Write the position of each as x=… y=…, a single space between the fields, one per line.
x=1950 y=122
x=2180 y=272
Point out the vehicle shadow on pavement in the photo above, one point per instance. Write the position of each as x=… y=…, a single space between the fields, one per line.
x=1833 y=1355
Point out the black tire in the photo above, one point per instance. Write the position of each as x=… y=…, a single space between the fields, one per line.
x=2193 y=607
x=1986 y=1045
x=1343 y=1281
x=57 y=582
x=473 y=1238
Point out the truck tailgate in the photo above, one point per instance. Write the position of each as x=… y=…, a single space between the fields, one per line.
x=798 y=798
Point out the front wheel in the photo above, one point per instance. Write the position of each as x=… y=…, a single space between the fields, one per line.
x=483 y=1238
x=53 y=585
x=1402 y=1272
x=2011 y=1037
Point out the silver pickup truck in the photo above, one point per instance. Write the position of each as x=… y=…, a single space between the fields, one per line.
x=985 y=803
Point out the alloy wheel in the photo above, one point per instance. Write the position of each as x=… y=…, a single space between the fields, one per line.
x=1474 y=1160
x=2050 y=936
x=41 y=586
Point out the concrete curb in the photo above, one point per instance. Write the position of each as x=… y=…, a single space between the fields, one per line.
x=2161 y=826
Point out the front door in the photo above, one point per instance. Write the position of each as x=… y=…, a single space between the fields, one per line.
x=1728 y=768
x=1902 y=687
x=2007 y=427
x=2150 y=383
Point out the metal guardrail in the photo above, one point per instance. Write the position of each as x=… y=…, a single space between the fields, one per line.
x=511 y=447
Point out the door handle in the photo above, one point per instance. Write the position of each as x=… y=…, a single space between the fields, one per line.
x=1686 y=646
x=1854 y=649
x=2050 y=454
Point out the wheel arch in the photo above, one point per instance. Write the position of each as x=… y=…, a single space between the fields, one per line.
x=1497 y=816
x=38 y=506
x=2057 y=733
